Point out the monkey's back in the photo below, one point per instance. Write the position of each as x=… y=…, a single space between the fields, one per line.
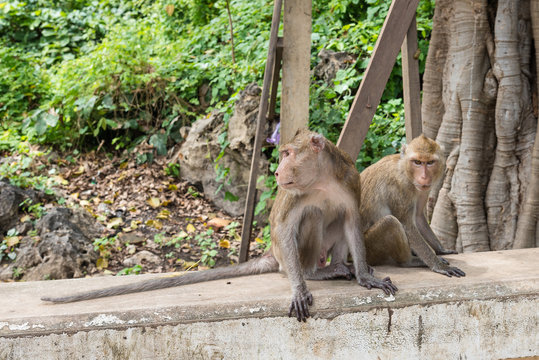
x=379 y=183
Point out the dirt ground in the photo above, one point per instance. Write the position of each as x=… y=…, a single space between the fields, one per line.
x=148 y=213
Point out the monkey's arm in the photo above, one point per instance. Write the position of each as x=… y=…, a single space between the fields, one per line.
x=423 y=250
x=301 y=296
x=356 y=244
x=427 y=233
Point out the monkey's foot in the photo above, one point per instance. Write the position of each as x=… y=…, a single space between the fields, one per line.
x=443 y=260
x=446 y=252
x=353 y=271
x=300 y=304
x=370 y=282
x=332 y=271
x=449 y=271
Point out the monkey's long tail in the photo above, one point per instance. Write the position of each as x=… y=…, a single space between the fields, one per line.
x=264 y=264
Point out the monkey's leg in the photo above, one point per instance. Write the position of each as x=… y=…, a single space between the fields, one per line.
x=385 y=240
x=332 y=271
x=356 y=245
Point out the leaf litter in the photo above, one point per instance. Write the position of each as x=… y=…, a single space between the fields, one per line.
x=141 y=209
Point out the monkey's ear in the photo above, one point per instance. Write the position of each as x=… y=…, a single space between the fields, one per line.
x=317 y=143
x=403 y=150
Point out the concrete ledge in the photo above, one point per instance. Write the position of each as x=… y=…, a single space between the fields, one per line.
x=492 y=313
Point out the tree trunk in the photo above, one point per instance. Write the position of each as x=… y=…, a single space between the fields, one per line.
x=527 y=226
x=477 y=103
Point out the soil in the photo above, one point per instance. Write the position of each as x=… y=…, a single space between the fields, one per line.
x=145 y=207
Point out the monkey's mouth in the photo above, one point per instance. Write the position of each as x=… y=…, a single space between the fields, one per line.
x=286 y=184
x=422 y=187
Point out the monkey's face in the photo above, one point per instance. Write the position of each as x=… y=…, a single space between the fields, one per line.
x=423 y=170
x=299 y=165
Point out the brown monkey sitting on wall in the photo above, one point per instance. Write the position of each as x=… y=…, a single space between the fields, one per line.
x=395 y=191
x=315 y=212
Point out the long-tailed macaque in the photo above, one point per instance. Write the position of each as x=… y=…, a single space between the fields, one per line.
x=395 y=192
x=315 y=212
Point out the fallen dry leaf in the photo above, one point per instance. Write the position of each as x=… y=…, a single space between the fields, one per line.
x=154 y=202
x=225 y=244
x=115 y=222
x=218 y=223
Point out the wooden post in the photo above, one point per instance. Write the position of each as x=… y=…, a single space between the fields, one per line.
x=259 y=135
x=374 y=81
x=296 y=67
x=410 y=82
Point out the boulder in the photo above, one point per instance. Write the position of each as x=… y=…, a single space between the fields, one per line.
x=331 y=62
x=10 y=199
x=64 y=248
x=198 y=153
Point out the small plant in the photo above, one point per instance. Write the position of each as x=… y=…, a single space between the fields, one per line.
x=17 y=272
x=177 y=240
x=159 y=239
x=173 y=169
x=192 y=191
x=266 y=238
x=37 y=210
x=129 y=271
x=104 y=246
x=8 y=245
x=232 y=229
x=207 y=247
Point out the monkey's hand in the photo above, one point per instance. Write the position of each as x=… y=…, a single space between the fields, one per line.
x=448 y=270
x=369 y=281
x=300 y=304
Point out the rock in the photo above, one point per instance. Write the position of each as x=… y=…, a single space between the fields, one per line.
x=24 y=228
x=10 y=198
x=65 y=248
x=131 y=238
x=142 y=257
x=198 y=153
x=242 y=124
x=79 y=221
x=330 y=63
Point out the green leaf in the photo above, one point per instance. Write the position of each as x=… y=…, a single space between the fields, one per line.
x=230 y=197
x=159 y=141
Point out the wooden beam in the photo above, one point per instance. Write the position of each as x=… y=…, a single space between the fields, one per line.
x=370 y=91
x=259 y=135
x=411 y=85
x=276 y=77
x=296 y=67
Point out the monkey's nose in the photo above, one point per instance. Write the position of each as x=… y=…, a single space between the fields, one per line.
x=276 y=174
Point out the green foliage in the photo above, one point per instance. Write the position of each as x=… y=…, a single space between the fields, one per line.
x=87 y=71
x=130 y=271
x=105 y=245
x=8 y=245
x=19 y=169
x=208 y=247
x=37 y=210
x=354 y=28
x=269 y=183
x=172 y=169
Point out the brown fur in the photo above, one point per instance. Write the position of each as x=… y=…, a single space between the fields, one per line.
x=316 y=212
x=395 y=192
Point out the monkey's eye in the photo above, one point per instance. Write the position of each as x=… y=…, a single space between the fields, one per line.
x=285 y=153
x=431 y=162
x=417 y=162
